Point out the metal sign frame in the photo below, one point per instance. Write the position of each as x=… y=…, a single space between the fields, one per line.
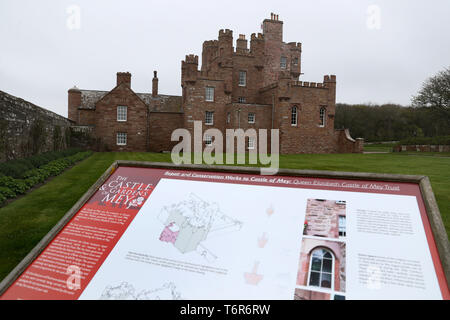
x=432 y=210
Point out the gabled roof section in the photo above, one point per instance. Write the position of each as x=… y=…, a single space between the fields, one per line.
x=160 y=103
x=90 y=97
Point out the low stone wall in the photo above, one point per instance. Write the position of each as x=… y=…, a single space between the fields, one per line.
x=346 y=144
x=26 y=129
x=422 y=148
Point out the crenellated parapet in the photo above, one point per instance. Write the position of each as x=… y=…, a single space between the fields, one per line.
x=209 y=53
x=295 y=46
x=225 y=33
x=191 y=58
x=329 y=78
x=328 y=81
x=257 y=48
x=307 y=84
x=259 y=37
x=211 y=43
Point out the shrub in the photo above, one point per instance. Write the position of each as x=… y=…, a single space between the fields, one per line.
x=17 y=168
x=10 y=187
x=7 y=193
x=17 y=186
x=438 y=140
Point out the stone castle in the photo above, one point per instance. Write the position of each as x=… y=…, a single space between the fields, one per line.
x=241 y=87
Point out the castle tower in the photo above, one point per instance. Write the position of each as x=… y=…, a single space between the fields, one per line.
x=74 y=102
x=189 y=69
x=273 y=39
x=226 y=43
x=209 y=52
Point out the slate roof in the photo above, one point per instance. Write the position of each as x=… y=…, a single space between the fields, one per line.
x=160 y=103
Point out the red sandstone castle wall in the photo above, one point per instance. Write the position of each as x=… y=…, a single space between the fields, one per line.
x=161 y=126
x=86 y=117
x=107 y=126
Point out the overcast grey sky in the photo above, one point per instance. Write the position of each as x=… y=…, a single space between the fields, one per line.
x=375 y=60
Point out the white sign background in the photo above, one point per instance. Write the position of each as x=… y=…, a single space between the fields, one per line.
x=237 y=251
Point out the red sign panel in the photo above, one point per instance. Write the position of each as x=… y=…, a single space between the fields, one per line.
x=162 y=233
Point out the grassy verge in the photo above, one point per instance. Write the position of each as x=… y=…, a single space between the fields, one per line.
x=378 y=147
x=25 y=221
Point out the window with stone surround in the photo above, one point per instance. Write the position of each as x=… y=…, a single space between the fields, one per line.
x=294 y=116
x=209 y=94
x=121 y=138
x=208 y=140
x=295 y=62
x=322 y=114
x=321 y=269
x=121 y=113
x=242 y=78
x=251 y=117
x=283 y=62
x=209 y=117
x=251 y=143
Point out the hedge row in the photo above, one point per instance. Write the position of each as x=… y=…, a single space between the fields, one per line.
x=438 y=140
x=17 y=168
x=11 y=187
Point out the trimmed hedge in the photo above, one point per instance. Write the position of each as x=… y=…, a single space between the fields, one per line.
x=11 y=187
x=439 y=140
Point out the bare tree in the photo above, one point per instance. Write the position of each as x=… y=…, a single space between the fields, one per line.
x=435 y=94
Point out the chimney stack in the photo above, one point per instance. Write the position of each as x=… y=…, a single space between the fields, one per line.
x=124 y=77
x=154 y=84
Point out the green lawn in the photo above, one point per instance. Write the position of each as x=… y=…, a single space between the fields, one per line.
x=378 y=147
x=24 y=222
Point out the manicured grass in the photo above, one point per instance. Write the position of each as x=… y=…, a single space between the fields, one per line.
x=378 y=147
x=24 y=222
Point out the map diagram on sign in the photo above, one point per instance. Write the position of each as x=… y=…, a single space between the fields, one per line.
x=126 y=291
x=190 y=222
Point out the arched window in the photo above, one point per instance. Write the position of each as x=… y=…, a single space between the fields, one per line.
x=321 y=269
x=294 y=116
x=322 y=113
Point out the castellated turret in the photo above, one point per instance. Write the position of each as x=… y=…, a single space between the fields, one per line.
x=189 y=69
x=226 y=43
x=209 y=52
